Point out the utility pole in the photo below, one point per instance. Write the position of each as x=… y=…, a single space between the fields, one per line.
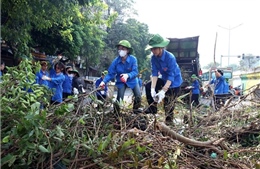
x=229 y=30
x=215 y=49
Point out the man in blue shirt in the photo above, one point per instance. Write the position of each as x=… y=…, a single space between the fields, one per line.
x=220 y=87
x=168 y=86
x=125 y=69
x=219 y=83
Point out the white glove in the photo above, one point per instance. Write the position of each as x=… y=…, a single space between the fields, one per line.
x=189 y=87
x=153 y=92
x=124 y=77
x=44 y=77
x=160 y=95
x=75 y=91
x=102 y=92
x=102 y=85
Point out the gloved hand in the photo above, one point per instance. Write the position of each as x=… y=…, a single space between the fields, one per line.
x=102 y=92
x=124 y=77
x=75 y=91
x=153 y=92
x=189 y=87
x=44 y=77
x=160 y=95
x=102 y=85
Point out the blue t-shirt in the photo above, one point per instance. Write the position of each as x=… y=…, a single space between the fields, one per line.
x=117 y=68
x=56 y=86
x=39 y=79
x=67 y=84
x=168 y=68
x=219 y=84
x=196 y=87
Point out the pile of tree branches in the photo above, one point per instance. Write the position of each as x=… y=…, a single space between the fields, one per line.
x=75 y=134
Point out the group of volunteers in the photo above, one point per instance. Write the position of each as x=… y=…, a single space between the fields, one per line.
x=165 y=83
x=61 y=79
x=166 y=78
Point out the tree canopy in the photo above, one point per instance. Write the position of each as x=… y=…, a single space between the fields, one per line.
x=86 y=28
x=53 y=25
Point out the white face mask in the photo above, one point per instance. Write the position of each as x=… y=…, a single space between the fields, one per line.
x=122 y=53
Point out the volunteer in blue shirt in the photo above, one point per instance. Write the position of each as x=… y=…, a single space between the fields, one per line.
x=219 y=82
x=168 y=86
x=56 y=80
x=195 y=90
x=124 y=67
x=101 y=93
x=43 y=71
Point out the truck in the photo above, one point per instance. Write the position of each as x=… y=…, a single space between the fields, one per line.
x=186 y=53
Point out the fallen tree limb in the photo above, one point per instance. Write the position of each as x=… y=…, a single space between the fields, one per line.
x=208 y=144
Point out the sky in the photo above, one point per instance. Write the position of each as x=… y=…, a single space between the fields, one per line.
x=235 y=22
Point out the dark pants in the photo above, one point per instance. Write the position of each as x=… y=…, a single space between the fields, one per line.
x=195 y=99
x=169 y=100
x=66 y=95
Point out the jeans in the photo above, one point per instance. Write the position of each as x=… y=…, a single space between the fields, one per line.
x=137 y=97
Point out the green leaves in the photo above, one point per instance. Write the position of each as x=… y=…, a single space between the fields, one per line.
x=6 y=139
x=43 y=149
x=8 y=159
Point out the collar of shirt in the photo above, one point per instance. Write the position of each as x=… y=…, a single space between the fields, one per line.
x=120 y=60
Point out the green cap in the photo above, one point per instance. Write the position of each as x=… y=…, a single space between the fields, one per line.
x=157 y=41
x=126 y=44
x=74 y=71
x=104 y=72
x=194 y=76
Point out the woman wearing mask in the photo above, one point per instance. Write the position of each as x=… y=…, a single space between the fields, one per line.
x=77 y=83
x=124 y=67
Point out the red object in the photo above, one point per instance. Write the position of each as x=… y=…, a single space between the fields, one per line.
x=122 y=79
x=102 y=87
x=200 y=72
